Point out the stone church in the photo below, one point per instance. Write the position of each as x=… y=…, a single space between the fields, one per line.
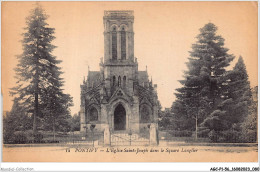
x=118 y=96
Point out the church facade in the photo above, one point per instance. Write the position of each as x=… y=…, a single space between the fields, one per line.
x=119 y=96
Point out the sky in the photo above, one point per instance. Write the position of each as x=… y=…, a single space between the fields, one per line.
x=164 y=33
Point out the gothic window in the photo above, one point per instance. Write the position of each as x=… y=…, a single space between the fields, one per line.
x=114 y=44
x=93 y=114
x=124 y=81
x=119 y=81
x=145 y=113
x=123 y=44
x=114 y=80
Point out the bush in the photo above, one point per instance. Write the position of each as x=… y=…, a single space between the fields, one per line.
x=227 y=136
x=203 y=133
x=251 y=136
x=29 y=135
x=213 y=136
x=19 y=137
x=22 y=137
x=230 y=136
x=183 y=133
x=38 y=138
x=8 y=137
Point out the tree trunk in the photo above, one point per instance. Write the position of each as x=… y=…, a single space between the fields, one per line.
x=53 y=128
x=35 y=113
x=196 y=132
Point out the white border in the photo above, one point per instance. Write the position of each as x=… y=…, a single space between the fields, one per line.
x=121 y=166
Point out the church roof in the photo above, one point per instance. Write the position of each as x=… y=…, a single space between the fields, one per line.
x=143 y=76
x=94 y=78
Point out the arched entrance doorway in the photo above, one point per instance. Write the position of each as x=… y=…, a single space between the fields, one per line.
x=120 y=118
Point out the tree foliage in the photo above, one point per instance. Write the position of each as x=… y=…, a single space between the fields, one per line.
x=249 y=125
x=238 y=95
x=75 y=122
x=165 y=120
x=236 y=104
x=15 y=120
x=219 y=100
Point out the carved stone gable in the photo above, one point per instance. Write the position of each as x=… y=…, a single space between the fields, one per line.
x=119 y=93
x=93 y=100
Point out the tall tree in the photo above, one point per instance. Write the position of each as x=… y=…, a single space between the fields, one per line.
x=39 y=84
x=204 y=82
x=239 y=91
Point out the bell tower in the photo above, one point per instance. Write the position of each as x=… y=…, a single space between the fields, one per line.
x=120 y=66
x=118 y=36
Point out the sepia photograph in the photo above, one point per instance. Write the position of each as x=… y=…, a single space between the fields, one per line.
x=129 y=81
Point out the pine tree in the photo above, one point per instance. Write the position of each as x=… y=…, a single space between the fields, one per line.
x=239 y=91
x=204 y=82
x=39 y=84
